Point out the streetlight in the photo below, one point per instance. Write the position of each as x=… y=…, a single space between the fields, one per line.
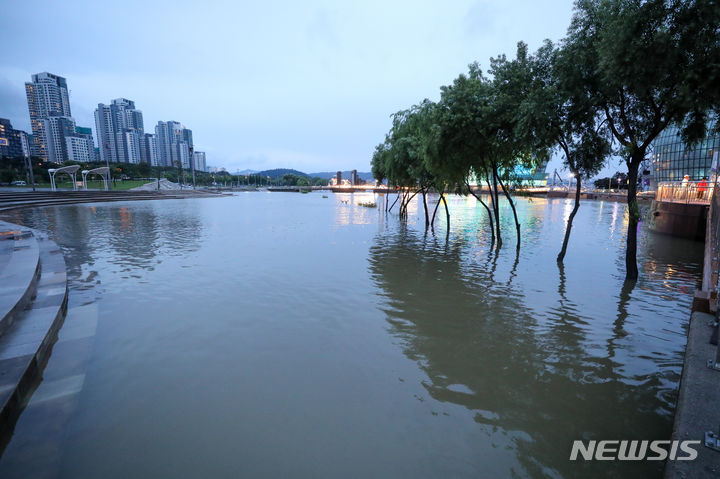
x=28 y=160
x=107 y=164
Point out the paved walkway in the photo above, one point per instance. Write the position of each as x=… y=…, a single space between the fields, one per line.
x=698 y=407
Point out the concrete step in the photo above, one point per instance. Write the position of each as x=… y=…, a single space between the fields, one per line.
x=8 y=198
x=19 y=273
x=26 y=345
x=61 y=202
x=11 y=200
x=85 y=192
x=38 y=199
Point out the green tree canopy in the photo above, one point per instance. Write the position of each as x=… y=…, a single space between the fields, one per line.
x=646 y=65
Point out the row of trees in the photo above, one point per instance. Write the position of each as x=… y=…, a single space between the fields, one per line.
x=626 y=70
x=291 y=179
x=616 y=181
x=12 y=169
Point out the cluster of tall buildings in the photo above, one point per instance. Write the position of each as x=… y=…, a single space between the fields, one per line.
x=121 y=136
x=55 y=136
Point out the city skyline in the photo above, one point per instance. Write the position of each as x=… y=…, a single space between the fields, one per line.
x=267 y=86
x=56 y=137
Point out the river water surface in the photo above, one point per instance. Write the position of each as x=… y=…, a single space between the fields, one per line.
x=288 y=335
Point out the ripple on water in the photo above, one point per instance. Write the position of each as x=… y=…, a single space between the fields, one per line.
x=269 y=333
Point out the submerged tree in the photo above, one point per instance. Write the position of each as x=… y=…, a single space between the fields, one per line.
x=512 y=144
x=481 y=136
x=402 y=158
x=557 y=114
x=463 y=149
x=646 y=65
x=419 y=126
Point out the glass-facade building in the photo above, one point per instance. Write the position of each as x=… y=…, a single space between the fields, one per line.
x=672 y=159
x=532 y=176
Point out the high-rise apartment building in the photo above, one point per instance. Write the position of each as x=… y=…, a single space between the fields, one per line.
x=81 y=146
x=149 y=149
x=174 y=142
x=120 y=131
x=56 y=129
x=199 y=158
x=13 y=143
x=47 y=97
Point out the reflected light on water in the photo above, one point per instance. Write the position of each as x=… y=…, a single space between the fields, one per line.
x=294 y=335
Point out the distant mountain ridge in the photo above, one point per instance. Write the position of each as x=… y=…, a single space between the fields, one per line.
x=365 y=175
x=279 y=172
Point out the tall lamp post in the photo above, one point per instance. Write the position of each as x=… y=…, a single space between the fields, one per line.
x=28 y=161
x=28 y=158
x=107 y=163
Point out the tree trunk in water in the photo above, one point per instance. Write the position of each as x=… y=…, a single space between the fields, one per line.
x=512 y=205
x=432 y=221
x=427 y=216
x=492 y=205
x=447 y=213
x=492 y=227
x=561 y=256
x=410 y=198
x=496 y=209
x=407 y=198
x=396 y=199
x=631 y=269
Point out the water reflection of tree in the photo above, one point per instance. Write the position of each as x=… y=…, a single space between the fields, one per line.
x=541 y=381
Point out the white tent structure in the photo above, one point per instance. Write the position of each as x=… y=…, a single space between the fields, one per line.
x=104 y=173
x=71 y=171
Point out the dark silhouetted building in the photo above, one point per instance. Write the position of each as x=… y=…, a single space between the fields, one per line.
x=12 y=141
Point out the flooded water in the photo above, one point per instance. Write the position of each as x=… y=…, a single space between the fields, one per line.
x=287 y=335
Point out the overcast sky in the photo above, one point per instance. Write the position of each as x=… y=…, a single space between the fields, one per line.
x=307 y=85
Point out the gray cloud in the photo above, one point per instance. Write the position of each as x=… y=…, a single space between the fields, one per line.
x=13 y=104
x=309 y=85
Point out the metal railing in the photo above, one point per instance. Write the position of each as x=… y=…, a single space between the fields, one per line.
x=699 y=192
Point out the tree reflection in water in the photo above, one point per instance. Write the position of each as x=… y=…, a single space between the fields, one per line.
x=538 y=370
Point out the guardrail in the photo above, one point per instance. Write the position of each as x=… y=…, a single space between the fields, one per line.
x=699 y=192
